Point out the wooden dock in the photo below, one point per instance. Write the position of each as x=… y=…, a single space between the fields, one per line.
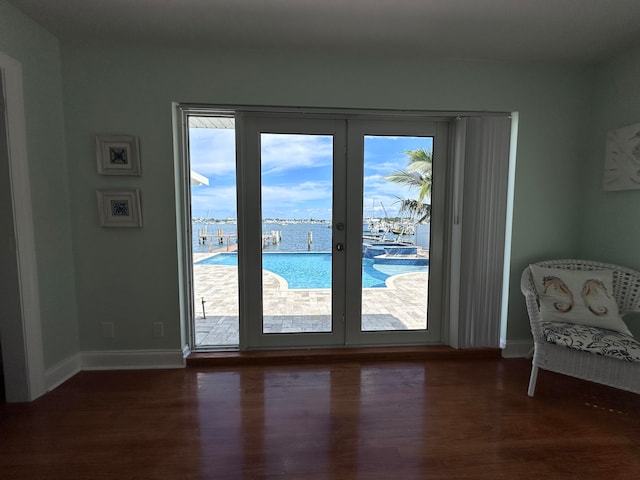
x=219 y=239
x=273 y=238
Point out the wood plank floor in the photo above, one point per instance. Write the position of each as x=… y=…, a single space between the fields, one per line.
x=432 y=419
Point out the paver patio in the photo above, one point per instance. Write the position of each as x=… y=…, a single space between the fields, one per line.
x=401 y=305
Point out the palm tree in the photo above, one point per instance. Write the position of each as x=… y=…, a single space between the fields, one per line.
x=416 y=175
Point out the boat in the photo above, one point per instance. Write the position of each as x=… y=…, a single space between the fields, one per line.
x=403 y=228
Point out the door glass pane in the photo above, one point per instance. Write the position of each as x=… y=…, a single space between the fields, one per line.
x=296 y=176
x=213 y=231
x=396 y=232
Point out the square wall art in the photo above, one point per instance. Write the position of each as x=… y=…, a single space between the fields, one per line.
x=119 y=208
x=118 y=155
x=622 y=161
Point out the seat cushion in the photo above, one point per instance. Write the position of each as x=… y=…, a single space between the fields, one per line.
x=593 y=340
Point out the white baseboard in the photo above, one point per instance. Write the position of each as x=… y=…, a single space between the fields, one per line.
x=517 y=349
x=186 y=350
x=62 y=371
x=132 y=359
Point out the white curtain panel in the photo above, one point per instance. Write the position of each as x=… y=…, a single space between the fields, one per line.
x=483 y=156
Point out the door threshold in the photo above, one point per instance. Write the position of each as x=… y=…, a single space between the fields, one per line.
x=330 y=355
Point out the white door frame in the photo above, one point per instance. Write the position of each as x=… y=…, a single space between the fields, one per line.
x=348 y=134
x=399 y=125
x=21 y=337
x=445 y=197
x=250 y=127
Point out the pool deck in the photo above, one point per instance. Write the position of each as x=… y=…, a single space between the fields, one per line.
x=399 y=306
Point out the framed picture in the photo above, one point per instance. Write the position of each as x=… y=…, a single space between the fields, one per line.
x=119 y=208
x=118 y=155
x=622 y=161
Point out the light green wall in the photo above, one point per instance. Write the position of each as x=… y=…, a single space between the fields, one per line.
x=610 y=222
x=88 y=275
x=611 y=226
x=130 y=277
x=39 y=53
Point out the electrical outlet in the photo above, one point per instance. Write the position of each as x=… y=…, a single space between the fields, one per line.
x=158 y=329
x=107 y=330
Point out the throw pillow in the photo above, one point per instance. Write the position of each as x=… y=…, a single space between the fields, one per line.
x=578 y=296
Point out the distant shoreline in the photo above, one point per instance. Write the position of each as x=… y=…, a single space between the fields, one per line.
x=213 y=221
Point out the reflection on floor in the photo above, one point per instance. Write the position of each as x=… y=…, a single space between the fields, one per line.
x=439 y=419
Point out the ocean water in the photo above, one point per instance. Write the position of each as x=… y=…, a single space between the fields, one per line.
x=294 y=236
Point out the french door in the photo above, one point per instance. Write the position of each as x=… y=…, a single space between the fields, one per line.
x=330 y=250
x=290 y=168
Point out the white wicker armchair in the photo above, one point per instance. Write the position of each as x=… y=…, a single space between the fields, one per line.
x=569 y=357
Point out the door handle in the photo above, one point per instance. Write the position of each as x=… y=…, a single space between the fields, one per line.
x=340 y=247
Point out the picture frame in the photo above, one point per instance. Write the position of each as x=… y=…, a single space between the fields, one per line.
x=118 y=155
x=622 y=159
x=119 y=208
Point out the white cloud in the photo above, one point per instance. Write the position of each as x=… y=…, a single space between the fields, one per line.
x=285 y=195
x=213 y=202
x=281 y=152
x=386 y=168
x=305 y=200
x=285 y=160
x=213 y=151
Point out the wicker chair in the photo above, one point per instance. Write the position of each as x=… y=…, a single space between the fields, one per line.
x=570 y=359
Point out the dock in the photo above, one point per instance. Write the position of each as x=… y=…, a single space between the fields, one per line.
x=272 y=238
x=220 y=238
x=218 y=241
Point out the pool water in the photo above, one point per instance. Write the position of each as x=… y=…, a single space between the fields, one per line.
x=313 y=270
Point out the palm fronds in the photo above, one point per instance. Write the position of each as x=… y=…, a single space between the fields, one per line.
x=418 y=175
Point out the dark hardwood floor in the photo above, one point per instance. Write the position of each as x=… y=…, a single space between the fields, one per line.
x=428 y=419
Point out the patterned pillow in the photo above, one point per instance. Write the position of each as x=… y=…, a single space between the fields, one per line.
x=578 y=296
x=592 y=340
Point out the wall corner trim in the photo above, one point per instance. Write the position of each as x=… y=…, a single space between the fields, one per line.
x=25 y=334
x=518 y=349
x=62 y=371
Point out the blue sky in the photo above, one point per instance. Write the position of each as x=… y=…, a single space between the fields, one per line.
x=296 y=174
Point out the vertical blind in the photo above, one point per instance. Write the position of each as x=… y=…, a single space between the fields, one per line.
x=482 y=154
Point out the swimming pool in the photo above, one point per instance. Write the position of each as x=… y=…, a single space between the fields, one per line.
x=313 y=270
